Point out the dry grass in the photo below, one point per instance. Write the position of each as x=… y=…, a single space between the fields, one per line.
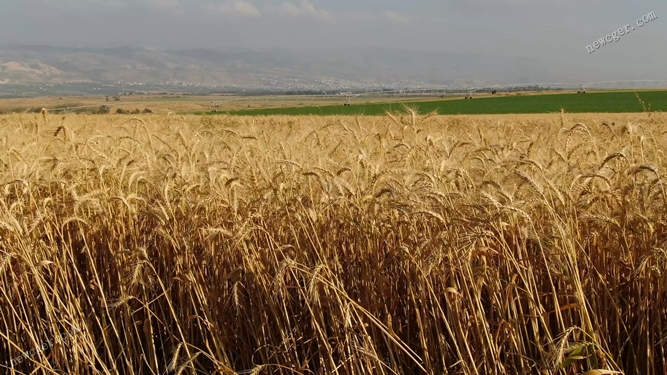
x=163 y=104
x=410 y=245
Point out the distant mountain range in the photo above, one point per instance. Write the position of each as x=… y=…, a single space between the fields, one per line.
x=50 y=70
x=248 y=69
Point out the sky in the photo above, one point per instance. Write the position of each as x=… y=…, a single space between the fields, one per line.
x=555 y=32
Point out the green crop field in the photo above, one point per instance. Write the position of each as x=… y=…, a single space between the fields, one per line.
x=601 y=102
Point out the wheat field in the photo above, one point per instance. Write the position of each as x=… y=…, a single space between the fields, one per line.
x=333 y=245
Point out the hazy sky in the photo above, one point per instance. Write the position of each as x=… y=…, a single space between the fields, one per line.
x=555 y=31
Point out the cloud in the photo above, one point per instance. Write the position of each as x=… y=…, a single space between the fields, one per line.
x=240 y=8
x=304 y=8
x=164 y=4
x=395 y=17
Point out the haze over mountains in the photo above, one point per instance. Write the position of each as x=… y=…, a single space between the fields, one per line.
x=291 y=45
x=51 y=69
x=244 y=68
